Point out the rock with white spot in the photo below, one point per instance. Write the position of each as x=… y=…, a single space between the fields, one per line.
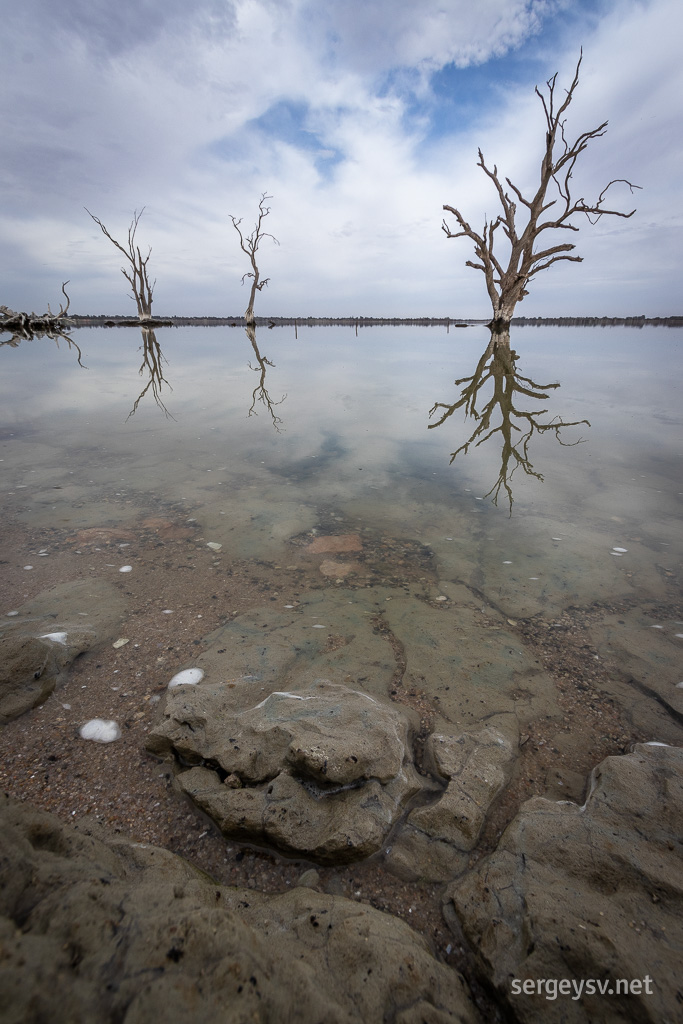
x=325 y=770
x=31 y=667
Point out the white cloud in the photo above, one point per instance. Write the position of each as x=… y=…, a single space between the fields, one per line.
x=183 y=109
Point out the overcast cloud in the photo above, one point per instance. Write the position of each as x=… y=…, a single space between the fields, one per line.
x=360 y=117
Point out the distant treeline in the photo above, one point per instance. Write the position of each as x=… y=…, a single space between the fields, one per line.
x=374 y=321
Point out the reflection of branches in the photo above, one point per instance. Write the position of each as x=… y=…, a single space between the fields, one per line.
x=26 y=326
x=152 y=361
x=497 y=364
x=260 y=393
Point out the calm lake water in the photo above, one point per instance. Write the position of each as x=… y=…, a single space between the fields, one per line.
x=334 y=427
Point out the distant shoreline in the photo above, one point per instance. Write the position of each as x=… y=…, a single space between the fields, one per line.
x=372 y=321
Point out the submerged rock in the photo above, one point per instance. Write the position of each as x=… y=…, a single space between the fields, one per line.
x=100 y=930
x=323 y=771
x=592 y=892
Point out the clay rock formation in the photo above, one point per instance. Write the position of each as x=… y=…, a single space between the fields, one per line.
x=31 y=667
x=323 y=772
x=592 y=892
x=97 y=930
x=477 y=765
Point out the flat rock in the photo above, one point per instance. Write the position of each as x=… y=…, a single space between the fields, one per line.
x=100 y=930
x=323 y=771
x=337 y=570
x=592 y=892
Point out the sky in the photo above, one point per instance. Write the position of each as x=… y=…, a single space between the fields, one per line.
x=361 y=119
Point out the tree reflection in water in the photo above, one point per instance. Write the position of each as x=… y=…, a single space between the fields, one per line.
x=260 y=392
x=516 y=426
x=152 y=364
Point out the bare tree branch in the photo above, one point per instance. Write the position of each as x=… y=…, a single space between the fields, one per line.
x=136 y=271
x=508 y=286
x=249 y=244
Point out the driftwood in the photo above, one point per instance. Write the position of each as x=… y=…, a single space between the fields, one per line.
x=27 y=325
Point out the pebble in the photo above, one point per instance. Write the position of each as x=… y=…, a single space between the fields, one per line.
x=58 y=638
x=188 y=677
x=126 y=568
x=214 y=546
x=100 y=730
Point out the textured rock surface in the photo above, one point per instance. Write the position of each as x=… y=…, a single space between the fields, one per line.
x=88 y=611
x=323 y=771
x=477 y=766
x=114 y=931
x=31 y=667
x=437 y=837
x=587 y=892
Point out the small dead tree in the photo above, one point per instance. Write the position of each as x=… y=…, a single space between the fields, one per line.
x=508 y=284
x=249 y=245
x=136 y=271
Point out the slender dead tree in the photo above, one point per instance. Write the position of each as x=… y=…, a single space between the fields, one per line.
x=249 y=245
x=508 y=284
x=136 y=271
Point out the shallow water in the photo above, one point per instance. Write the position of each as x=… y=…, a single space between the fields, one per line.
x=335 y=421
x=560 y=609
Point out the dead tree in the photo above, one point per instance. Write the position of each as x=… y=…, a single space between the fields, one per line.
x=516 y=426
x=249 y=245
x=508 y=284
x=136 y=271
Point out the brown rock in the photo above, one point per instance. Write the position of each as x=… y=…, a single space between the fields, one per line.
x=337 y=570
